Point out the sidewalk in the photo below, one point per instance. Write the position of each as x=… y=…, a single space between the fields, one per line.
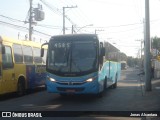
x=152 y=98
x=154 y=94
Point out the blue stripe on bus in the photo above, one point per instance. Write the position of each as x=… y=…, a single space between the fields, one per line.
x=35 y=75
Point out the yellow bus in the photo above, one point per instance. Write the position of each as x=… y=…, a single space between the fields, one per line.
x=21 y=66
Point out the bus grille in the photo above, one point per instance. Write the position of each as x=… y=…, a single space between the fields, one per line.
x=70 y=83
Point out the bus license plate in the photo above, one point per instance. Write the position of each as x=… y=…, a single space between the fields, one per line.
x=70 y=90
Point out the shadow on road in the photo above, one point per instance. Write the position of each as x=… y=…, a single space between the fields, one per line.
x=14 y=95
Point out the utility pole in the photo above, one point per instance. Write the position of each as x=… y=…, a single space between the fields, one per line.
x=30 y=20
x=147 y=60
x=64 y=17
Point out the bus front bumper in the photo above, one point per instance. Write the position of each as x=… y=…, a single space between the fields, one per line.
x=85 y=88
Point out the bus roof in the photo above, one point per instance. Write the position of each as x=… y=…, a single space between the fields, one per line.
x=23 y=42
x=94 y=36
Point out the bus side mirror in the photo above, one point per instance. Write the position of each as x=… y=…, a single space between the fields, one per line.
x=3 y=49
x=42 y=52
x=102 y=51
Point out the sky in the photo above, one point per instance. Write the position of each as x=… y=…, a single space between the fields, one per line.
x=119 y=22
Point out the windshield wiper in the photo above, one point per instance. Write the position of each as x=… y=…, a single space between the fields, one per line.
x=72 y=61
x=76 y=65
x=67 y=56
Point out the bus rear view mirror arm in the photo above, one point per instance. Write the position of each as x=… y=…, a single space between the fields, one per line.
x=42 y=52
x=42 y=49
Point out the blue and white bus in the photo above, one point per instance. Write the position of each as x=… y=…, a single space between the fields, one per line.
x=76 y=65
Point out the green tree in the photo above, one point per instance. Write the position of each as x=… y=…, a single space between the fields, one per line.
x=133 y=61
x=155 y=43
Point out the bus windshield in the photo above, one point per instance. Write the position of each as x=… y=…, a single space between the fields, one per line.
x=72 y=57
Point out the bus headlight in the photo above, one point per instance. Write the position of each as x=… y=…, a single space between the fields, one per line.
x=51 y=79
x=90 y=79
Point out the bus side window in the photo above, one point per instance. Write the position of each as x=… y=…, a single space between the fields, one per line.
x=18 y=57
x=28 y=56
x=36 y=53
x=7 y=61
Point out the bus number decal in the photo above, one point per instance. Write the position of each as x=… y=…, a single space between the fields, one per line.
x=62 y=45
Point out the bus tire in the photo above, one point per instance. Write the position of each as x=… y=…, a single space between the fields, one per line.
x=105 y=84
x=101 y=94
x=115 y=84
x=21 y=87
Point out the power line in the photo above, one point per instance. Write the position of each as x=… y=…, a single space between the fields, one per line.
x=49 y=26
x=40 y=25
x=56 y=10
x=53 y=9
x=22 y=28
x=124 y=25
x=80 y=15
x=13 y=25
x=12 y=19
x=56 y=27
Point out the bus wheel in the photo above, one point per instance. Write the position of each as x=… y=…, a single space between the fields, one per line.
x=101 y=94
x=115 y=84
x=20 y=88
